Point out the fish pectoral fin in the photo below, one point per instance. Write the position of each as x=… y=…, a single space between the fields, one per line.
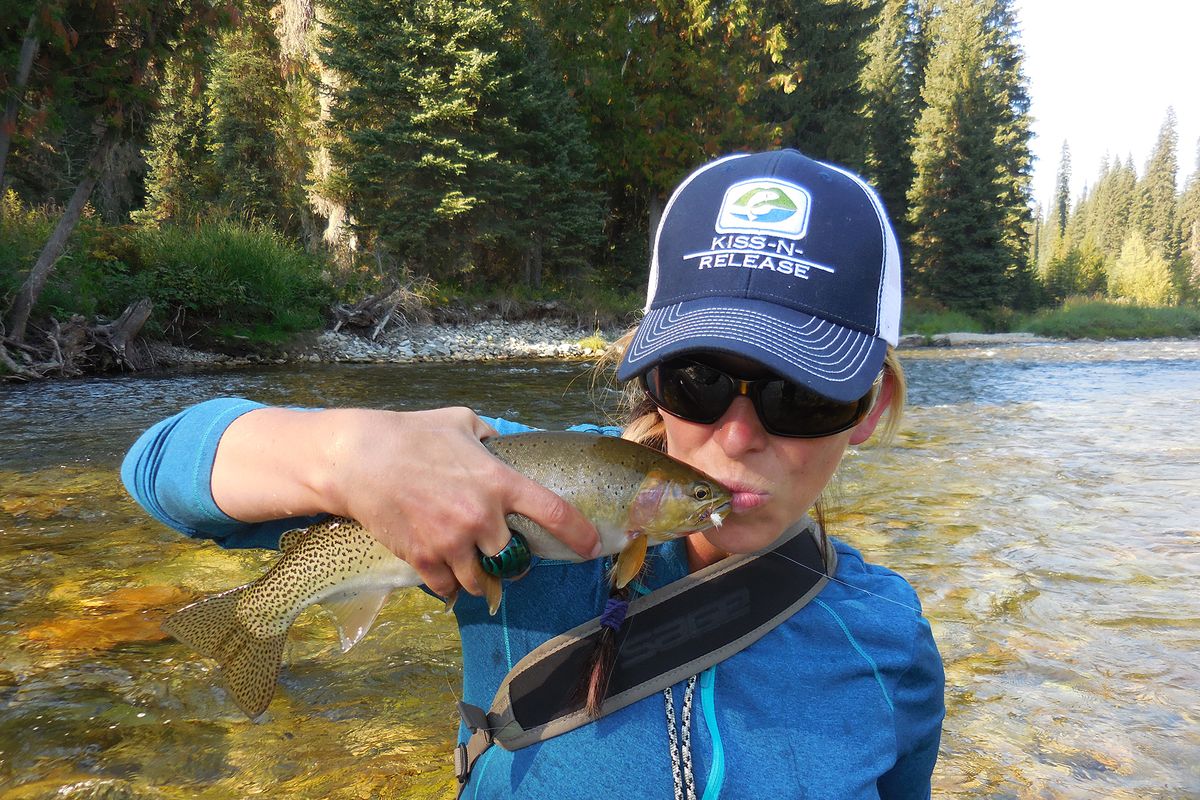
x=629 y=562
x=493 y=590
x=355 y=613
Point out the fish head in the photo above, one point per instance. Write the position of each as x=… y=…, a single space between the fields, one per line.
x=673 y=502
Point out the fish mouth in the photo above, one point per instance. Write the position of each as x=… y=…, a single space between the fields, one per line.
x=716 y=516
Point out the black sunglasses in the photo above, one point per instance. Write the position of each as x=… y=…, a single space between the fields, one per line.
x=699 y=392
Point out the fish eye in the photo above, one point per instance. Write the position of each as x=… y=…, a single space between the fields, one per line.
x=701 y=492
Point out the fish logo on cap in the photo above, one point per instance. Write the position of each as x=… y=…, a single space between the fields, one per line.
x=765 y=205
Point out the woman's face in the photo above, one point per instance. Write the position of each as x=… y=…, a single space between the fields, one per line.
x=775 y=479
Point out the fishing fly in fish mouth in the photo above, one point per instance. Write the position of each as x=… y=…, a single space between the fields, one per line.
x=766 y=350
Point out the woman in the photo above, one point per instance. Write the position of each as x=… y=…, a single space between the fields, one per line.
x=764 y=353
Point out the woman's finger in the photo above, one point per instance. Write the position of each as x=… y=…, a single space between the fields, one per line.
x=560 y=518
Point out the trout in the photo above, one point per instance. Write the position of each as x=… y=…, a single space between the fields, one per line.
x=634 y=495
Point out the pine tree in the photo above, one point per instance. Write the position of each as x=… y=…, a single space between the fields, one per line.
x=1062 y=190
x=969 y=202
x=216 y=144
x=892 y=94
x=246 y=101
x=459 y=153
x=554 y=211
x=180 y=182
x=818 y=100
x=1155 y=214
x=1113 y=207
x=1189 y=233
x=663 y=87
x=412 y=154
x=1004 y=61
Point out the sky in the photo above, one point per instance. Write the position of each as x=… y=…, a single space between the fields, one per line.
x=1101 y=76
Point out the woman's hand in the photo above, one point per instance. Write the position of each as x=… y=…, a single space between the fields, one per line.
x=420 y=481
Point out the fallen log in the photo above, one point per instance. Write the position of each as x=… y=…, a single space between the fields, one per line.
x=77 y=347
x=375 y=313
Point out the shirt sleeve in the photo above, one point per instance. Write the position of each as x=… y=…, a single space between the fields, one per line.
x=505 y=427
x=168 y=471
x=920 y=706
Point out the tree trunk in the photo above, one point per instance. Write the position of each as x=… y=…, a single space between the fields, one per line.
x=32 y=287
x=120 y=333
x=24 y=63
x=536 y=272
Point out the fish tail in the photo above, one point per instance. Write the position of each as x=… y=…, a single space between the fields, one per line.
x=250 y=664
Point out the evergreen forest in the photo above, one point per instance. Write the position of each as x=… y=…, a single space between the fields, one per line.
x=240 y=165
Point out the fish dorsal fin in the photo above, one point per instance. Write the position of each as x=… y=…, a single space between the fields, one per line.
x=355 y=613
x=291 y=538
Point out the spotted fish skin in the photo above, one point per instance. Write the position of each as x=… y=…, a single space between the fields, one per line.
x=336 y=563
x=632 y=494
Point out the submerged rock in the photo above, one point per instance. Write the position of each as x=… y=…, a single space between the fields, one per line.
x=133 y=614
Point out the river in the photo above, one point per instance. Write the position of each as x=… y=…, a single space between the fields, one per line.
x=1043 y=499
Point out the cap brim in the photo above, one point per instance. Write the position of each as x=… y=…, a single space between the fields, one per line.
x=835 y=361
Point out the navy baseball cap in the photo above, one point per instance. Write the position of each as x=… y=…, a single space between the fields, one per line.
x=779 y=258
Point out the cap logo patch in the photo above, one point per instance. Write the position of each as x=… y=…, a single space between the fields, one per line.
x=765 y=205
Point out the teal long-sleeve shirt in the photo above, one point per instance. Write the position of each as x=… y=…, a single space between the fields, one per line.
x=844 y=700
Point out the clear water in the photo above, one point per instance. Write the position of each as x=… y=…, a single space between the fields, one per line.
x=1044 y=499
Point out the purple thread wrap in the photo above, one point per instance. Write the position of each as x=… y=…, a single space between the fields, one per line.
x=614 y=613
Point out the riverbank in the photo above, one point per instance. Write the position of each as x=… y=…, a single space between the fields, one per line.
x=490 y=340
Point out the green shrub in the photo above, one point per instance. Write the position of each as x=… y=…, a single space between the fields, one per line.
x=927 y=318
x=23 y=231
x=216 y=281
x=1090 y=318
x=226 y=280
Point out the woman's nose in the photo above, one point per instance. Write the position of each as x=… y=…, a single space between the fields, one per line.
x=739 y=429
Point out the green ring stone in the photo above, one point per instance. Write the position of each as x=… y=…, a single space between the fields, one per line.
x=510 y=562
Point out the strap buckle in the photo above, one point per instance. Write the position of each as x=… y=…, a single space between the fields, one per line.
x=467 y=753
x=462 y=769
x=476 y=720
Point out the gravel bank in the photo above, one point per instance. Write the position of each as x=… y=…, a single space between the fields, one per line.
x=478 y=341
x=488 y=341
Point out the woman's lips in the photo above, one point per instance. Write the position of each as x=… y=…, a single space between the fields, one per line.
x=744 y=500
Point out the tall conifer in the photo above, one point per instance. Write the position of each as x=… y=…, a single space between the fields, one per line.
x=1062 y=190
x=1156 y=201
x=892 y=92
x=820 y=103
x=1189 y=232
x=179 y=178
x=458 y=154
x=246 y=98
x=969 y=204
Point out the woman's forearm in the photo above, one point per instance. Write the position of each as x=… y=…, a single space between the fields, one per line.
x=273 y=463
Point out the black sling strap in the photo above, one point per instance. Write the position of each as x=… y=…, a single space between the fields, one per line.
x=669 y=635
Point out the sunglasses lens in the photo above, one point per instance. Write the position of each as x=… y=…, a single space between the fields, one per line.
x=691 y=390
x=791 y=410
x=700 y=393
